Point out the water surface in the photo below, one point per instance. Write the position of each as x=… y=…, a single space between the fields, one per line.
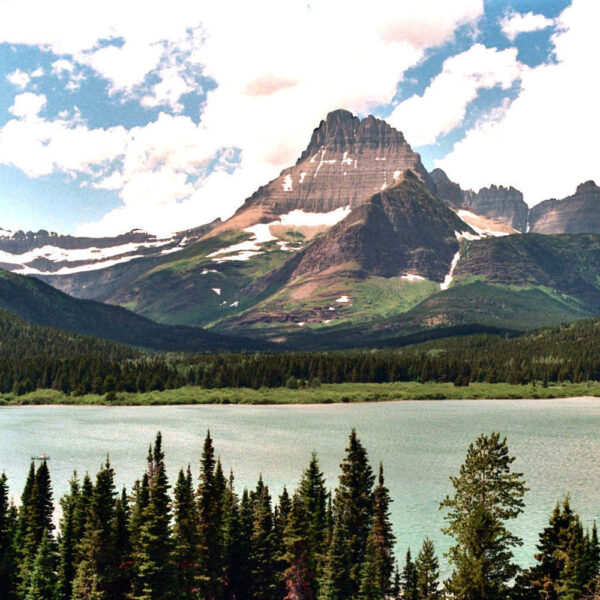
x=557 y=444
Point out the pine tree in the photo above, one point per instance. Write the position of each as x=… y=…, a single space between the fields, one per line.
x=428 y=572
x=234 y=548
x=262 y=556
x=154 y=566
x=409 y=579
x=68 y=540
x=210 y=494
x=8 y=563
x=383 y=539
x=487 y=494
x=96 y=570
x=334 y=580
x=353 y=508
x=42 y=585
x=121 y=582
x=185 y=536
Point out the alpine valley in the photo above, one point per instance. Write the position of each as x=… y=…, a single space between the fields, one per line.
x=357 y=244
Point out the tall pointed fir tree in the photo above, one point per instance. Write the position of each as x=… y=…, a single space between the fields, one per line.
x=185 y=536
x=68 y=540
x=334 y=579
x=487 y=495
x=8 y=527
x=210 y=494
x=353 y=509
x=97 y=569
x=121 y=583
x=262 y=549
x=370 y=588
x=428 y=572
x=409 y=579
x=42 y=582
x=154 y=561
x=300 y=566
x=234 y=557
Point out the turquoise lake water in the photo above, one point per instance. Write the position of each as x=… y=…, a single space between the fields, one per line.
x=557 y=444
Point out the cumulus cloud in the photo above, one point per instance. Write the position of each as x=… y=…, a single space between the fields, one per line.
x=545 y=142
x=278 y=67
x=27 y=105
x=19 y=78
x=443 y=105
x=515 y=23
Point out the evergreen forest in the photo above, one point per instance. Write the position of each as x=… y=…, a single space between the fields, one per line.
x=36 y=357
x=199 y=538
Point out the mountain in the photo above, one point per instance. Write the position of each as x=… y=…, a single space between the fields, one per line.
x=497 y=203
x=346 y=161
x=89 y=267
x=579 y=213
x=41 y=304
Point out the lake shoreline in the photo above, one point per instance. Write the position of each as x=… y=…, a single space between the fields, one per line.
x=342 y=393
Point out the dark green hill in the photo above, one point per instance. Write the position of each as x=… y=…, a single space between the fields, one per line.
x=41 y=304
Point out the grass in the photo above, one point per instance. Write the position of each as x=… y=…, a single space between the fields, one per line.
x=325 y=394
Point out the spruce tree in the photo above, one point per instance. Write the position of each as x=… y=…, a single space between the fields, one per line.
x=428 y=572
x=487 y=495
x=121 y=582
x=210 y=495
x=154 y=561
x=42 y=583
x=68 y=540
x=185 y=536
x=409 y=579
x=334 y=579
x=353 y=507
x=370 y=584
x=383 y=539
x=262 y=555
x=8 y=525
x=234 y=548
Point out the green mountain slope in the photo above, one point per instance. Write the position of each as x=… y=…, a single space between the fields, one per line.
x=41 y=304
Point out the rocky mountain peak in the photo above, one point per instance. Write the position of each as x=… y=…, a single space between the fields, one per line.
x=342 y=131
x=588 y=187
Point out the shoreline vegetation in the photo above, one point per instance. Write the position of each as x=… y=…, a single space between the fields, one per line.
x=322 y=394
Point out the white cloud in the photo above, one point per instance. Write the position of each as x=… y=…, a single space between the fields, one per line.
x=27 y=105
x=546 y=141
x=443 y=105
x=19 y=78
x=515 y=23
x=279 y=67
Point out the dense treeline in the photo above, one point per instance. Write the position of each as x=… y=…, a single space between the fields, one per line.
x=36 y=357
x=205 y=541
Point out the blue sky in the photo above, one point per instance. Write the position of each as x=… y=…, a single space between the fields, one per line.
x=118 y=117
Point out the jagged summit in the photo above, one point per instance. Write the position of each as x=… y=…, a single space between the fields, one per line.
x=342 y=131
x=587 y=187
x=346 y=161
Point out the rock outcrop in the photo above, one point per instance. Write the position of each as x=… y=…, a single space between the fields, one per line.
x=497 y=202
x=579 y=213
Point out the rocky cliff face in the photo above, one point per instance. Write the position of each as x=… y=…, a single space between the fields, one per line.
x=579 y=213
x=497 y=202
x=346 y=162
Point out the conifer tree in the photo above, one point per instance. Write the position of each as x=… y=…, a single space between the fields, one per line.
x=121 y=582
x=234 y=547
x=487 y=495
x=383 y=539
x=409 y=579
x=68 y=540
x=185 y=536
x=428 y=572
x=396 y=590
x=42 y=583
x=334 y=580
x=262 y=556
x=299 y=574
x=370 y=584
x=210 y=494
x=353 y=508
x=8 y=525
x=154 y=565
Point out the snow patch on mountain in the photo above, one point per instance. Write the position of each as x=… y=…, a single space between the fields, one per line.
x=448 y=279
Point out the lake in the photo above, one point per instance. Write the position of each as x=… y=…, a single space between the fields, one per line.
x=557 y=444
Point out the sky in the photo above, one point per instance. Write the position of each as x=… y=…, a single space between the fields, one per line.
x=166 y=115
